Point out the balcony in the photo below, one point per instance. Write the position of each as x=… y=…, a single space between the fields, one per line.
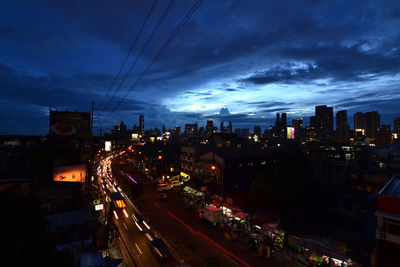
x=382 y=235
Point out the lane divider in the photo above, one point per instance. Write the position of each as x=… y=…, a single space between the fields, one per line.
x=208 y=239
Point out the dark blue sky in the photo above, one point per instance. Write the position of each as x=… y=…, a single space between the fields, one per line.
x=254 y=57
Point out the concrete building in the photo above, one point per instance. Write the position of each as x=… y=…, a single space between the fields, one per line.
x=388 y=229
x=323 y=122
x=342 y=127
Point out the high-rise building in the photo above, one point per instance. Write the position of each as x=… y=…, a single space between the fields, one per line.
x=342 y=127
x=324 y=122
x=297 y=123
x=229 y=129
x=257 y=130
x=396 y=125
x=163 y=129
x=209 y=127
x=221 y=127
x=177 y=130
x=141 y=124
x=372 y=122
x=278 y=120
x=191 y=129
x=312 y=121
x=359 y=122
x=283 y=125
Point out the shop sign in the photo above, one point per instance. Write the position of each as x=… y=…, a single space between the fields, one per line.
x=99 y=207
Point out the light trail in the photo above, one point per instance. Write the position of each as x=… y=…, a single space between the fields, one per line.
x=208 y=239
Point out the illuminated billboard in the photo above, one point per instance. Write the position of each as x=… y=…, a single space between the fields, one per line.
x=135 y=136
x=107 y=145
x=290 y=132
x=74 y=173
x=65 y=123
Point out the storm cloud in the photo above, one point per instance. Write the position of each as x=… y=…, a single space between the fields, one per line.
x=254 y=57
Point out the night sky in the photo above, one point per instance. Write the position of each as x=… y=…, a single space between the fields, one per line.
x=254 y=58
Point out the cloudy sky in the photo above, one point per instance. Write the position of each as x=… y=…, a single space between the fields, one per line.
x=255 y=58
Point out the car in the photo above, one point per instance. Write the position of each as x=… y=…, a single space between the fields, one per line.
x=163 y=187
x=158 y=246
x=140 y=223
x=176 y=183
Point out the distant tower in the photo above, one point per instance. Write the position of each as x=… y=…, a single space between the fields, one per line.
x=323 y=121
x=257 y=130
x=359 y=122
x=278 y=125
x=396 y=125
x=372 y=122
x=221 y=127
x=278 y=121
x=209 y=127
x=283 y=125
x=141 y=124
x=229 y=130
x=342 y=128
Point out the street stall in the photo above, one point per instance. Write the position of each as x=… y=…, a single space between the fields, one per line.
x=274 y=235
x=192 y=198
x=227 y=209
x=318 y=252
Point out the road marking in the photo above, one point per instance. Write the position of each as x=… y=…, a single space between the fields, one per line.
x=125 y=226
x=226 y=256
x=138 y=248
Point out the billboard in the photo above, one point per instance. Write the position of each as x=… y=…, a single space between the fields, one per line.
x=107 y=145
x=65 y=123
x=74 y=173
x=290 y=132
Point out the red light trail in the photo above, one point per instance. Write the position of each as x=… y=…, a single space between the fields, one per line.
x=207 y=239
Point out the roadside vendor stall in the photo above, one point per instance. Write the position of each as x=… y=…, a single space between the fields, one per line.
x=274 y=235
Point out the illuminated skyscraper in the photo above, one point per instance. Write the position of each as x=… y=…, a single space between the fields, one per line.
x=297 y=123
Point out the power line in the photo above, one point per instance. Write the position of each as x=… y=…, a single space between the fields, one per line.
x=130 y=51
x=145 y=45
x=161 y=50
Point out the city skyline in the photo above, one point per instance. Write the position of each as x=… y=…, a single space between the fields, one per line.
x=344 y=118
x=254 y=58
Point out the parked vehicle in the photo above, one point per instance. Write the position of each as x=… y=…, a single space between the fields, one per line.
x=163 y=187
x=212 y=214
x=176 y=183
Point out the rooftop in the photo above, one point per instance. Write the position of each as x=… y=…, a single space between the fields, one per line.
x=392 y=188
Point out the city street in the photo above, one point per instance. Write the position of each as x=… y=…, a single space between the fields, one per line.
x=195 y=241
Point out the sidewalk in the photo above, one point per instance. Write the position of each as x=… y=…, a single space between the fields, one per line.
x=114 y=251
